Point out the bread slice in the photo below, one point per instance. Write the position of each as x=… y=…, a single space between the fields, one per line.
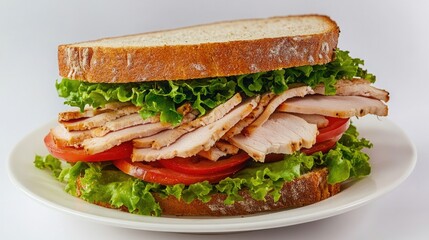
x=310 y=188
x=212 y=50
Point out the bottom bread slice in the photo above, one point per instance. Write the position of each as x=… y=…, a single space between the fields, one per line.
x=309 y=188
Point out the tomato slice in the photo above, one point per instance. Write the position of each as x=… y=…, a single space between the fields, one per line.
x=274 y=157
x=71 y=154
x=155 y=173
x=201 y=166
x=329 y=135
x=324 y=146
x=336 y=126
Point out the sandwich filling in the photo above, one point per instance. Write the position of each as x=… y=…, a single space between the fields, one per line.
x=130 y=142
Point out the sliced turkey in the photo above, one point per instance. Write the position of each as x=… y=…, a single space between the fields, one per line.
x=100 y=144
x=89 y=112
x=100 y=119
x=274 y=103
x=202 y=139
x=213 y=153
x=168 y=137
x=133 y=120
x=227 y=147
x=121 y=123
x=319 y=120
x=356 y=87
x=335 y=106
x=281 y=133
x=77 y=114
x=218 y=112
x=62 y=137
x=220 y=149
x=265 y=99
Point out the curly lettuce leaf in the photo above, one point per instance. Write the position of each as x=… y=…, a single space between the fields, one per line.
x=50 y=163
x=164 y=97
x=99 y=184
x=265 y=178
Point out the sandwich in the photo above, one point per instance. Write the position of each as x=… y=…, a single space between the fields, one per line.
x=223 y=119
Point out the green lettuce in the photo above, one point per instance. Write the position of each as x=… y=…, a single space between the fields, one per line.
x=101 y=182
x=48 y=162
x=164 y=97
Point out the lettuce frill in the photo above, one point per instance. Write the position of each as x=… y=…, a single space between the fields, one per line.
x=164 y=97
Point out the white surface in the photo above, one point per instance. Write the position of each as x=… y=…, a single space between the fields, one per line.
x=391 y=36
x=389 y=169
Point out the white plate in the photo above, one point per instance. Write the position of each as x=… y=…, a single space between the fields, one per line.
x=393 y=158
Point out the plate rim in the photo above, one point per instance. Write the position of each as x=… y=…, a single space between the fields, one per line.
x=209 y=225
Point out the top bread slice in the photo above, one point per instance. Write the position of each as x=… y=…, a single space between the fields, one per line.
x=212 y=50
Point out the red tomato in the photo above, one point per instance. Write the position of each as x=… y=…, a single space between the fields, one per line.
x=329 y=135
x=274 y=157
x=336 y=126
x=200 y=166
x=324 y=146
x=71 y=154
x=150 y=172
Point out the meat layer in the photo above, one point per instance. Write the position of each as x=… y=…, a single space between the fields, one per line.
x=281 y=133
x=202 y=139
x=168 y=137
x=274 y=103
x=335 y=106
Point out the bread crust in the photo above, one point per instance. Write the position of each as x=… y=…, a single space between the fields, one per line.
x=307 y=189
x=178 y=62
x=310 y=188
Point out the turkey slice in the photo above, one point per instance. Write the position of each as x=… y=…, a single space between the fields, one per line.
x=202 y=139
x=335 y=106
x=170 y=136
x=213 y=153
x=121 y=123
x=227 y=147
x=282 y=133
x=62 y=137
x=265 y=99
x=319 y=120
x=99 y=119
x=89 y=112
x=271 y=107
x=220 y=149
x=100 y=144
x=356 y=87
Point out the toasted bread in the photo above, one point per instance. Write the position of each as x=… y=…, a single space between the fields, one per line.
x=212 y=50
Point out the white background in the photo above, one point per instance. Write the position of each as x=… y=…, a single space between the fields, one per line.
x=392 y=36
